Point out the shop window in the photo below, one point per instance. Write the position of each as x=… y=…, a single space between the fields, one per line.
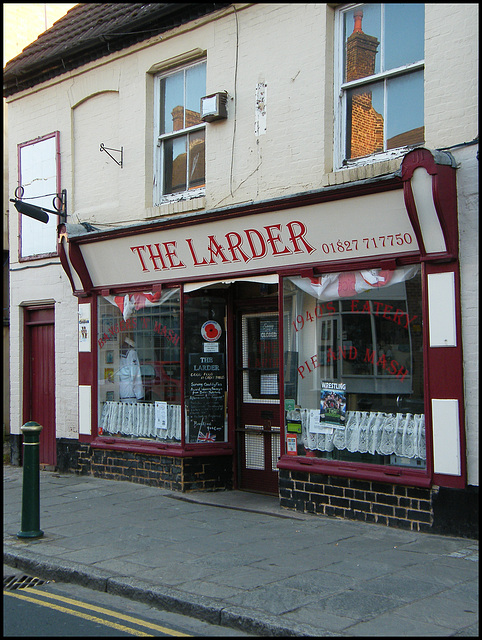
x=354 y=367
x=139 y=366
x=380 y=78
x=179 y=134
x=206 y=368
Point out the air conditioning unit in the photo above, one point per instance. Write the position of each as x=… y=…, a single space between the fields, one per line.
x=213 y=107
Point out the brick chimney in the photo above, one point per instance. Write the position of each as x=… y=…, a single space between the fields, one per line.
x=361 y=51
x=192 y=118
x=366 y=124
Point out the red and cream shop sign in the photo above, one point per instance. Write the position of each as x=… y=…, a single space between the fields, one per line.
x=352 y=228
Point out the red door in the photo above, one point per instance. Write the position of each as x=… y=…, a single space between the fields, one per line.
x=39 y=378
x=258 y=429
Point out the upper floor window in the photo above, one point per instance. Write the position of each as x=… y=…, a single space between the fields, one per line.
x=380 y=78
x=179 y=134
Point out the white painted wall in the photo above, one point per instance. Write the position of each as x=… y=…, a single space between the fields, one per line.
x=468 y=206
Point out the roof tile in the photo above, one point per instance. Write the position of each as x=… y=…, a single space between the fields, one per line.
x=92 y=30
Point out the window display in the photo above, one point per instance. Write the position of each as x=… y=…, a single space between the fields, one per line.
x=354 y=366
x=139 y=365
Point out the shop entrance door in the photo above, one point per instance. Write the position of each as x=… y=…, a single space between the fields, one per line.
x=257 y=428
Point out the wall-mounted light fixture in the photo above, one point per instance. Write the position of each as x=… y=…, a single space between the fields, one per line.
x=59 y=203
x=213 y=107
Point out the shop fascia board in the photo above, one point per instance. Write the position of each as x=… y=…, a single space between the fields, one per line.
x=78 y=232
x=439 y=182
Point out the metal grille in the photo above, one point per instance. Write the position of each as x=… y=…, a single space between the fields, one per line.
x=11 y=583
x=275 y=448
x=254 y=445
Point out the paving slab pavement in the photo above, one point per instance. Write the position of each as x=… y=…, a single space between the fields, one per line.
x=240 y=560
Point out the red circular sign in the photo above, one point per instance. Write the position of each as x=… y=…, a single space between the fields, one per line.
x=211 y=331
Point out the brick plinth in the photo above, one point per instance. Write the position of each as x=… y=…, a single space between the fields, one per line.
x=210 y=473
x=388 y=504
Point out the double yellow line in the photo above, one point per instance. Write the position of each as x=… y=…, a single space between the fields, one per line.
x=42 y=598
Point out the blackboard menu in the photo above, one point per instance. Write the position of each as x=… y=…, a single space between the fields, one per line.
x=206 y=387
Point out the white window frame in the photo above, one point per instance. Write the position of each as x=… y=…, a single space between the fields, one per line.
x=341 y=89
x=159 y=197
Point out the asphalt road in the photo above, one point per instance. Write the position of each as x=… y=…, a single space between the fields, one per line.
x=37 y=608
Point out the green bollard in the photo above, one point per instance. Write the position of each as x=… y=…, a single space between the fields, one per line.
x=31 y=481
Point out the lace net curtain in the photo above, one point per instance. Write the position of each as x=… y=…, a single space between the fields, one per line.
x=371 y=432
x=138 y=420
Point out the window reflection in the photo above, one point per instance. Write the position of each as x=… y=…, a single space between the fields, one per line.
x=365 y=122
x=175 y=163
x=196 y=159
x=388 y=113
x=182 y=157
x=404 y=34
x=405 y=110
x=172 y=97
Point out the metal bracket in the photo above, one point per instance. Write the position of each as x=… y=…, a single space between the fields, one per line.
x=59 y=202
x=107 y=149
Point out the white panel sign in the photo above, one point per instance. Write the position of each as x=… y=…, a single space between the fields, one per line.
x=441 y=310
x=446 y=437
x=374 y=225
x=38 y=177
x=85 y=415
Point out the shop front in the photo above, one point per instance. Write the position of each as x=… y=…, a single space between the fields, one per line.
x=307 y=347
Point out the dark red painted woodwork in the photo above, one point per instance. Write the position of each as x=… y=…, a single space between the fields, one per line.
x=39 y=378
x=444 y=191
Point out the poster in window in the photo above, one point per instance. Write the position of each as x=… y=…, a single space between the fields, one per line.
x=333 y=403
x=268 y=329
x=84 y=327
x=291 y=444
x=160 y=415
x=207 y=384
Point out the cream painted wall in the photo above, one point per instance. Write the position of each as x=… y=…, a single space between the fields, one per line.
x=46 y=282
x=451 y=73
x=292 y=61
x=22 y=23
x=111 y=100
x=288 y=158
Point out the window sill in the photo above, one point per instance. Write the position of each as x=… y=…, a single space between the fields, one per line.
x=377 y=473
x=162 y=448
x=179 y=206
x=371 y=168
